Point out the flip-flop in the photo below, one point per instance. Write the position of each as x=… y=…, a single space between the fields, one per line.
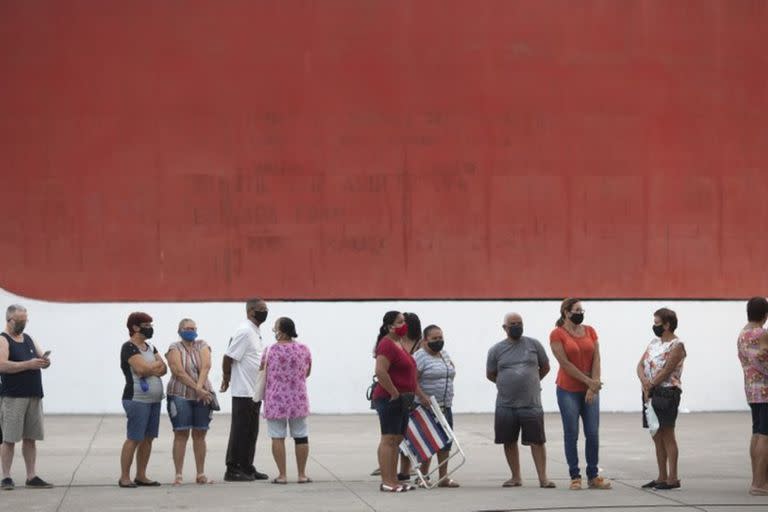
x=549 y=484
x=306 y=481
x=388 y=488
x=652 y=483
x=756 y=491
x=151 y=483
x=449 y=483
x=512 y=483
x=129 y=485
x=279 y=482
x=202 y=480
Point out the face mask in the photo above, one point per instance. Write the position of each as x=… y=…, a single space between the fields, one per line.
x=658 y=330
x=188 y=335
x=18 y=327
x=147 y=332
x=577 y=318
x=436 y=345
x=260 y=316
x=515 y=331
x=277 y=336
x=402 y=330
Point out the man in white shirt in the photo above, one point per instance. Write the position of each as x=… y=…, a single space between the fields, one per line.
x=241 y=367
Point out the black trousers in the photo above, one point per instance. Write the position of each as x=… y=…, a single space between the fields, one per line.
x=243 y=434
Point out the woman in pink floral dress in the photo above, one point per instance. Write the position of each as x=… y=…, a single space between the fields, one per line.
x=286 y=404
x=753 y=354
x=660 y=371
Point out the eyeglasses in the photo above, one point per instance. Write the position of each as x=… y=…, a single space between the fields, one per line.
x=579 y=311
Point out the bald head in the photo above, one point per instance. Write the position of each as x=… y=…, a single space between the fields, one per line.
x=513 y=325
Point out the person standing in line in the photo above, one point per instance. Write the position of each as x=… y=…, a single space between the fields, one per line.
x=516 y=365
x=240 y=370
x=142 y=368
x=576 y=349
x=436 y=372
x=752 y=347
x=288 y=364
x=660 y=371
x=189 y=398
x=21 y=397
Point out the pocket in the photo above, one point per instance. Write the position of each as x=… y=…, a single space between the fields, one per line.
x=172 y=410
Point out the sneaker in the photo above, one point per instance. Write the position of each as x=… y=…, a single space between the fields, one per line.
x=599 y=483
x=7 y=484
x=38 y=483
x=237 y=476
x=403 y=477
x=575 y=484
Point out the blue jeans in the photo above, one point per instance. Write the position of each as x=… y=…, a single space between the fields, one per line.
x=572 y=405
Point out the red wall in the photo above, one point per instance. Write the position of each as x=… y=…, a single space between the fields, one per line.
x=197 y=150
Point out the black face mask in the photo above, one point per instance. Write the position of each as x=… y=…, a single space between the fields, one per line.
x=147 y=332
x=515 y=331
x=436 y=345
x=18 y=327
x=260 y=316
x=658 y=330
x=577 y=318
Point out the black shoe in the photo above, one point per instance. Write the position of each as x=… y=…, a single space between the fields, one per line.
x=403 y=477
x=38 y=483
x=652 y=483
x=664 y=486
x=237 y=476
x=259 y=476
x=7 y=484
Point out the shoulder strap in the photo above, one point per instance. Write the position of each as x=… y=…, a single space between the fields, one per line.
x=6 y=336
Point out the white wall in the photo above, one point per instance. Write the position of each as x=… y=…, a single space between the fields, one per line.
x=85 y=339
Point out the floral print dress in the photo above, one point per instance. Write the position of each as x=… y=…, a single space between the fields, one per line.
x=285 y=396
x=655 y=358
x=754 y=362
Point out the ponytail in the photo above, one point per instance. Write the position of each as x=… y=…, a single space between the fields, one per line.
x=389 y=319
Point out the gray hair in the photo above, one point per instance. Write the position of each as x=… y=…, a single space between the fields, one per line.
x=183 y=321
x=13 y=308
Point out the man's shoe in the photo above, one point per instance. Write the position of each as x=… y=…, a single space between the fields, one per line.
x=258 y=475
x=237 y=476
x=7 y=484
x=38 y=483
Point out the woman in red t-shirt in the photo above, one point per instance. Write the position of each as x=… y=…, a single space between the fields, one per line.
x=578 y=386
x=394 y=394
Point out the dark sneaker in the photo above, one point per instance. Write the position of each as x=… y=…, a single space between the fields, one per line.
x=38 y=483
x=7 y=484
x=237 y=476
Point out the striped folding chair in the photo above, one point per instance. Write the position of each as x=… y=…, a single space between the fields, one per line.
x=428 y=433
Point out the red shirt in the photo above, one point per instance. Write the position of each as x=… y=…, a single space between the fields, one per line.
x=579 y=351
x=402 y=368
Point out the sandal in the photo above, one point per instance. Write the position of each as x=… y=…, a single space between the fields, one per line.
x=599 y=483
x=575 y=484
x=450 y=483
x=512 y=483
x=306 y=480
x=549 y=484
x=129 y=485
x=279 y=482
x=201 y=479
x=389 y=488
x=178 y=480
x=758 y=491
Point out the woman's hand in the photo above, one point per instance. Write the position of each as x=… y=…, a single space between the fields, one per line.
x=203 y=395
x=590 y=396
x=424 y=399
x=595 y=386
x=394 y=397
x=646 y=388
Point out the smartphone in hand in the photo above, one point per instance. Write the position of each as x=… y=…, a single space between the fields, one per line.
x=46 y=354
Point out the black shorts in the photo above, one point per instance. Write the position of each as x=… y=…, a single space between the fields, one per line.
x=665 y=403
x=759 y=418
x=508 y=422
x=393 y=417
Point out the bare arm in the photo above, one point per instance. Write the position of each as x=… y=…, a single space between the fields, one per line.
x=226 y=372
x=543 y=371
x=160 y=367
x=675 y=356
x=39 y=353
x=11 y=367
x=568 y=367
x=177 y=369
x=205 y=367
x=382 y=375
x=141 y=367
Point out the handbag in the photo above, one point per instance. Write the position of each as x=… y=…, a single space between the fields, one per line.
x=260 y=386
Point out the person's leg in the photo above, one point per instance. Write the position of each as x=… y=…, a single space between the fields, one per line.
x=670 y=447
x=512 y=455
x=753 y=459
x=126 y=460
x=238 y=432
x=143 y=453
x=252 y=435
x=661 y=456
x=405 y=468
x=6 y=454
x=29 y=452
x=442 y=457
x=539 y=453
x=300 y=433
x=278 y=452
x=570 y=407
x=387 y=454
x=180 y=438
x=590 y=414
x=199 y=447
x=761 y=463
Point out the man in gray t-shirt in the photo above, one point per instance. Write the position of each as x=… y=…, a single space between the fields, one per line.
x=517 y=364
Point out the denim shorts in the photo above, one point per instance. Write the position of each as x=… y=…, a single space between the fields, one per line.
x=393 y=417
x=143 y=419
x=186 y=414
